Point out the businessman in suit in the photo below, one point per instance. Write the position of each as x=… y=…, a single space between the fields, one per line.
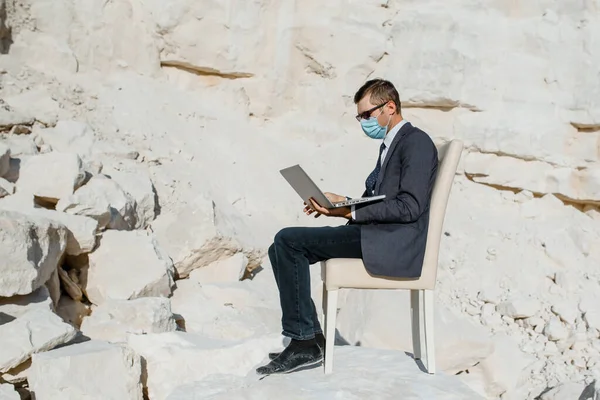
x=389 y=235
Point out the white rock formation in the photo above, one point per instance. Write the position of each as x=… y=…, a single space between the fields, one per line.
x=17 y=306
x=65 y=373
x=226 y=270
x=36 y=331
x=51 y=176
x=6 y=188
x=103 y=200
x=113 y=320
x=139 y=186
x=68 y=137
x=128 y=265
x=30 y=249
x=191 y=238
x=176 y=358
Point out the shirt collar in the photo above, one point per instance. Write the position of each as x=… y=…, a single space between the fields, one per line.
x=389 y=138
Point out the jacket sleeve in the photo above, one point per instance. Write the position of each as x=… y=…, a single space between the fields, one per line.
x=418 y=160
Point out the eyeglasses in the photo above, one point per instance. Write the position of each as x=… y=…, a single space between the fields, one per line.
x=367 y=114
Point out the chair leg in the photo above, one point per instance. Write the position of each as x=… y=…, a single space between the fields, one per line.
x=324 y=308
x=429 y=329
x=416 y=322
x=330 y=317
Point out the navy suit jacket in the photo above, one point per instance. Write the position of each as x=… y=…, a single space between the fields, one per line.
x=394 y=231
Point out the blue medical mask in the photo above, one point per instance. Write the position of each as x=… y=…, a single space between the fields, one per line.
x=372 y=128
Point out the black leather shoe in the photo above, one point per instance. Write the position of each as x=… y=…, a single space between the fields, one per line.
x=320 y=341
x=292 y=359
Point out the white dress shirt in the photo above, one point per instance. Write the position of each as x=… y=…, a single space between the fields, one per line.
x=387 y=140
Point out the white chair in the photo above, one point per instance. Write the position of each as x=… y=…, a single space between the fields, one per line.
x=341 y=273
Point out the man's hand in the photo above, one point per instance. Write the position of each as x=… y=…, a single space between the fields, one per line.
x=314 y=207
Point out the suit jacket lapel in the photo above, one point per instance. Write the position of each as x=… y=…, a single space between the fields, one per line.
x=388 y=155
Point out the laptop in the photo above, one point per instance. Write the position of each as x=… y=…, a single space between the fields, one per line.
x=306 y=188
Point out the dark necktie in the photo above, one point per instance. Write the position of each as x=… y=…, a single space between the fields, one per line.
x=372 y=178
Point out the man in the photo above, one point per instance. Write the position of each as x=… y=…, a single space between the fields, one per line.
x=389 y=235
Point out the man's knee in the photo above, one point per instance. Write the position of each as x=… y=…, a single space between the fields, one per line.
x=285 y=236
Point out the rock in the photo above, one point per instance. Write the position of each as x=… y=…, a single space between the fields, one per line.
x=53 y=286
x=128 y=265
x=72 y=311
x=564 y=391
x=505 y=370
x=70 y=287
x=519 y=308
x=115 y=319
x=81 y=231
x=17 y=374
x=68 y=137
x=355 y=367
x=105 y=201
x=175 y=358
x=7 y=392
x=38 y=103
x=228 y=312
x=555 y=330
x=17 y=306
x=463 y=345
x=490 y=294
x=65 y=373
x=4 y=159
x=6 y=188
x=567 y=311
x=139 y=186
x=36 y=331
x=19 y=145
x=10 y=117
x=30 y=249
x=51 y=176
x=191 y=239
x=592 y=319
x=230 y=269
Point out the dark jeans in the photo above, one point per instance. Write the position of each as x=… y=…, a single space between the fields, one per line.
x=291 y=254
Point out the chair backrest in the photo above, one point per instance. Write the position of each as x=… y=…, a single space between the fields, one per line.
x=449 y=156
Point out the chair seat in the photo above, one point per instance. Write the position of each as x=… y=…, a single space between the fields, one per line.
x=351 y=273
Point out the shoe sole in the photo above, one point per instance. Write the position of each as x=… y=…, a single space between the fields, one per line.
x=302 y=367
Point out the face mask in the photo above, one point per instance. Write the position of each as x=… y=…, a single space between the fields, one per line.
x=372 y=128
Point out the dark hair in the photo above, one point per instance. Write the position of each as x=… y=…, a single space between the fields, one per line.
x=381 y=91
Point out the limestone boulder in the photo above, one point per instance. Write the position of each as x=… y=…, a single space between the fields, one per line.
x=113 y=320
x=191 y=239
x=128 y=265
x=176 y=358
x=519 y=308
x=81 y=230
x=37 y=102
x=139 y=186
x=222 y=311
x=6 y=188
x=10 y=117
x=4 y=159
x=68 y=137
x=51 y=176
x=19 y=145
x=505 y=371
x=17 y=306
x=89 y=370
x=104 y=200
x=230 y=269
x=36 y=331
x=567 y=390
x=30 y=250
x=463 y=345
